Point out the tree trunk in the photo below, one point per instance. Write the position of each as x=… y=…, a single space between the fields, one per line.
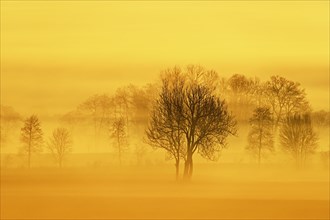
x=177 y=167
x=259 y=157
x=185 y=172
x=297 y=160
x=29 y=156
x=191 y=168
x=119 y=147
x=94 y=135
x=119 y=156
x=278 y=118
x=188 y=169
x=126 y=110
x=259 y=148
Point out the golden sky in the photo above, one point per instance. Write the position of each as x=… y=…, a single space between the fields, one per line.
x=54 y=54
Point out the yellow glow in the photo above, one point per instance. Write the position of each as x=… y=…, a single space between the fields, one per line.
x=56 y=54
x=77 y=48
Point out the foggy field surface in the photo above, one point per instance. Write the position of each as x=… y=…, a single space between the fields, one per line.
x=219 y=191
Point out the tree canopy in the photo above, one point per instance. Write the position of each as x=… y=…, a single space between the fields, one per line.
x=191 y=116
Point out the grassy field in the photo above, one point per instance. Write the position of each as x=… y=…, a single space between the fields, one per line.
x=216 y=191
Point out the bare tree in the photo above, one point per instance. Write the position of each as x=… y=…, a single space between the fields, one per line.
x=71 y=119
x=165 y=130
x=260 y=137
x=191 y=116
x=258 y=93
x=122 y=101
x=285 y=97
x=298 y=137
x=207 y=124
x=60 y=144
x=9 y=121
x=140 y=100
x=99 y=109
x=321 y=118
x=240 y=85
x=31 y=136
x=119 y=135
x=243 y=94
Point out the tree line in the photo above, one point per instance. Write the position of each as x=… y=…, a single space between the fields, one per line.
x=190 y=110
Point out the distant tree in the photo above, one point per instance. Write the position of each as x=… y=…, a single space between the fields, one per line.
x=122 y=105
x=72 y=119
x=258 y=93
x=119 y=135
x=198 y=74
x=9 y=121
x=201 y=118
x=325 y=158
x=240 y=85
x=31 y=136
x=243 y=95
x=285 y=97
x=321 y=118
x=98 y=108
x=140 y=100
x=298 y=137
x=223 y=87
x=260 y=137
x=60 y=144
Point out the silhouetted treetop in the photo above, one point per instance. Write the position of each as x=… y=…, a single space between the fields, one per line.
x=285 y=97
x=260 y=137
x=297 y=137
x=31 y=137
x=189 y=113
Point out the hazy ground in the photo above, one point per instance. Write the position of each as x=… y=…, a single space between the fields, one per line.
x=216 y=191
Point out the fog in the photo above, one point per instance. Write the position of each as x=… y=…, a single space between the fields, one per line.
x=164 y=110
x=51 y=50
x=94 y=185
x=218 y=191
x=111 y=170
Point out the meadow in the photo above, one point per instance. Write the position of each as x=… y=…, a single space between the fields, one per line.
x=217 y=191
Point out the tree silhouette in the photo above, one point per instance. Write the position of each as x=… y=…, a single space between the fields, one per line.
x=60 y=144
x=9 y=121
x=240 y=85
x=207 y=124
x=242 y=95
x=121 y=103
x=298 y=137
x=321 y=118
x=98 y=107
x=165 y=129
x=31 y=136
x=260 y=137
x=201 y=120
x=285 y=97
x=140 y=100
x=119 y=135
